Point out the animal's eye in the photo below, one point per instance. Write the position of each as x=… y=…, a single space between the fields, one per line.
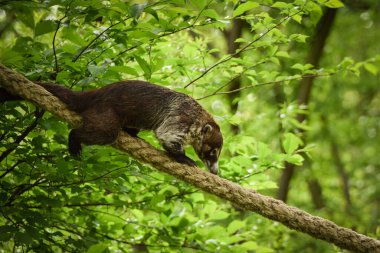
x=214 y=152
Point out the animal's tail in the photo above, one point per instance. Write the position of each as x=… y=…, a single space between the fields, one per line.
x=64 y=94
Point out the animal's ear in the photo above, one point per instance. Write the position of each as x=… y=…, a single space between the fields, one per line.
x=207 y=128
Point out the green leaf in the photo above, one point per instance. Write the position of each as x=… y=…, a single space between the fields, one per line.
x=347 y=62
x=7 y=232
x=334 y=4
x=275 y=60
x=301 y=38
x=250 y=245
x=242 y=161
x=199 y=4
x=10 y=57
x=97 y=248
x=144 y=66
x=234 y=226
x=315 y=11
x=371 y=68
x=298 y=66
x=283 y=54
x=297 y=18
x=211 y=13
x=71 y=34
x=24 y=237
x=136 y=10
x=153 y=13
x=130 y=71
x=129 y=228
x=4 y=237
x=282 y=5
x=197 y=197
x=245 y=7
x=169 y=189
x=27 y=18
x=241 y=40
x=265 y=185
x=219 y=215
x=45 y=26
x=291 y=143
x=235 y=119
x=96 y=70
x=296 y=159
x=263 y=150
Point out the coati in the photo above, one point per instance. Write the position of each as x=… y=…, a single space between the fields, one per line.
x=176 y=119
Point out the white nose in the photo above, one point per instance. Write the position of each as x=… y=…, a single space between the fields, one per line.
x=213 y=167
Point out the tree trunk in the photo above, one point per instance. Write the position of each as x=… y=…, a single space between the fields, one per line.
x=316 y=193
x=231 y=35
x=304 y=93
x=342 y=173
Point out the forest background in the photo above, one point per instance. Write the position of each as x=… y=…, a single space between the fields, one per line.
x=293 y=84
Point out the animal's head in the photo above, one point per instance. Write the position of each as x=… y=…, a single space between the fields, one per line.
x=210 y=145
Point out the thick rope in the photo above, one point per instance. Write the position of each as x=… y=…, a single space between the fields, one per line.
x=19 y=85
x=248 y=199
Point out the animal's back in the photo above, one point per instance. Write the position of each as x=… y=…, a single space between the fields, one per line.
x=140 y=104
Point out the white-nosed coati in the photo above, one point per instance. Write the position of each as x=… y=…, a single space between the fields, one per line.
x=176 y=119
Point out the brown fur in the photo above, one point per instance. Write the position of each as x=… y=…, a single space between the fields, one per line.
x=176 y=118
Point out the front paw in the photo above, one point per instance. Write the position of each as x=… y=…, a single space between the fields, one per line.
x=183 y=159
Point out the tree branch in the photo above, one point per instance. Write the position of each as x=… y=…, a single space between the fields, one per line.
x=55 y=36
x=247 y=199
x=20 y=189
x=22 y=136
x=11 y=168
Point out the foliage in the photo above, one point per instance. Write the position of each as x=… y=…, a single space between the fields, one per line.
x=107 y=202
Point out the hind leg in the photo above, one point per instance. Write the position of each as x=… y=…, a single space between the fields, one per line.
x=74 y=145
x=100 y=127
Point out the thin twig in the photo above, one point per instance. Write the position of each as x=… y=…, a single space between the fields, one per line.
x=96 y=57
x=264 y=84
x=159 y=37
x=39 y=114
x=148 y=245
x=11 y=168
x=105 y=30
x=84 y=181
x=96 y=38
x=245 y=48
x=239 y=180
x=55 y=35
x=13 y=126
x=54 y=51
x=200 y=13
x=233 y=78
x=21 y=189
x=169 y=33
